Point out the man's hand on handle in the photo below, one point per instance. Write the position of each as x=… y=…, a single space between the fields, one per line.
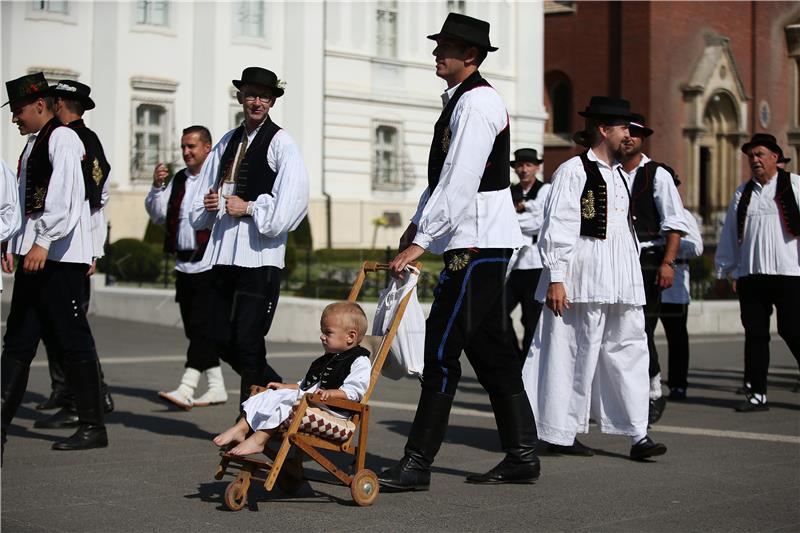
x=407 y=256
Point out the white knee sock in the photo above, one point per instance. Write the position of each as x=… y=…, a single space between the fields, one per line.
x=655 y=387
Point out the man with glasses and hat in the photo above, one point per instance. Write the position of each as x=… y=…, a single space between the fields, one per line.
x=466 y=214
x=759 y=249
x=256 y=192
x=55 y=247
x=528 y=196
x=590 y=348
x=71 y=100
x=658 y=218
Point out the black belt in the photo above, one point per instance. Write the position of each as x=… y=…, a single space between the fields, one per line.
x=681 y=261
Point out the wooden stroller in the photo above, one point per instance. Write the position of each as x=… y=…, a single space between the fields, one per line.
x=288 y=472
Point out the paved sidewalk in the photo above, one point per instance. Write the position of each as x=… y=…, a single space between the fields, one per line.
x=724 y=471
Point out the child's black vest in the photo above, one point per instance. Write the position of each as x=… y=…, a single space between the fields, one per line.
x=495 y=175
x=94 y=165
x=38 y=168
x=255 y=176
x=331 y=369
x=784 y=197
x=173 y=217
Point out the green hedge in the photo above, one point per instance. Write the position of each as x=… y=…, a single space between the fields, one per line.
x=133 y=260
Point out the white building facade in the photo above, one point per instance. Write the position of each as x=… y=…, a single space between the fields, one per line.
x=361 y=95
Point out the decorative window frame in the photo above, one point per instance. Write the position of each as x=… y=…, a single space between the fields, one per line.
x=143 y=27
x=157 y=92
x=402 y=181
x=264 y=41
x=70 y=17
x=54 y=74
x=389 y=7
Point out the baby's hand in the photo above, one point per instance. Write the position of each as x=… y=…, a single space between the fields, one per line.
x=275 y=385
x=325 y=394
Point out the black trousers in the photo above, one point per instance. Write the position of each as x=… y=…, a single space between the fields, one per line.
x=674 y=317
x=58 y=380
x=757 y=294
x=193 y=293
x=469 y=314
x=49 y=303
x=242 y=306
x=521 y=289
x=650 y=259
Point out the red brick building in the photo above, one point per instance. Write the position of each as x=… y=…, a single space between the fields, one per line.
x=707 y=75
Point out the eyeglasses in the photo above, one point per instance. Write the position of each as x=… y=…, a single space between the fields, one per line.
x=250 y=97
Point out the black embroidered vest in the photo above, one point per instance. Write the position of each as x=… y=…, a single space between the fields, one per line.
x=644 y=212
x=495 y=176
x=38 y=169
x=331 y=369
x=517 y=194
x=594 y=201
x=784 y=197
x=94 y=165
x=255 y=176
x=173 y=217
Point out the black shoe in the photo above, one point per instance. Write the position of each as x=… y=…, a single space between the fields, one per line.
x=508 y=472
x=108 y=402
x=63 y=418
x=744 y=389
x=577 y=448
x=656 y=410
x=87 y=437
x=408 y=474
x=677 y=395
x=751 y=405
x=55 y=401
x=647 y=448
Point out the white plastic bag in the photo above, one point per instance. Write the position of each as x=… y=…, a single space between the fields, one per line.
x=407 y=355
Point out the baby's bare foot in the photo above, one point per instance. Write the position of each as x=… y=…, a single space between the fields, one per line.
x=255 y=443
x=231 y=435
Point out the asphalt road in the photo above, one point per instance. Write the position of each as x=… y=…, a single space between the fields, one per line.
x=724 y=471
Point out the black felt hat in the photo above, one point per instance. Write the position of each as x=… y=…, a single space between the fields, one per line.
x=784 y=159
x=73 y=90
x=605 y=107
x=763 y=139
x=638 y=123
x=470 y=30
x=263 y=77
x=24 y=90
x=526 y=155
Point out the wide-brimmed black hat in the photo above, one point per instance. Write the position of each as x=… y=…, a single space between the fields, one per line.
x=637 y=124
x=260 y=76
x=605 y=107
x=73 y=90
x=470 y=30
x=763 y=139
x=526 y=155
x=24 y=90
x=784 y=159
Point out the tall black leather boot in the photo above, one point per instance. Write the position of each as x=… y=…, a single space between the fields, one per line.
x=58 y=383
x=14 y=376
x=518 y=438
x=413 y=471
x=84 y=378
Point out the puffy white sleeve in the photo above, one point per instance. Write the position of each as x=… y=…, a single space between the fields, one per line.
x=420 y=206
x=357 y=382
x=472 y=137
x=10 y=209
x=66 y=192
x=669 y=203
x=728 y=248
x=283 y=210
x=692 y=243
x=199 y=218
x=157 y=202
x=561 y=227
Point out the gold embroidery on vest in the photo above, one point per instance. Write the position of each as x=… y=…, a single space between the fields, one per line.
x=38 y=197
x=587 y=206
x=446 y=139
x=97 y=172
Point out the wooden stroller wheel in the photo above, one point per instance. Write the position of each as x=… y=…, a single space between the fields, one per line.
x=236 y=495
x=364 y=487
